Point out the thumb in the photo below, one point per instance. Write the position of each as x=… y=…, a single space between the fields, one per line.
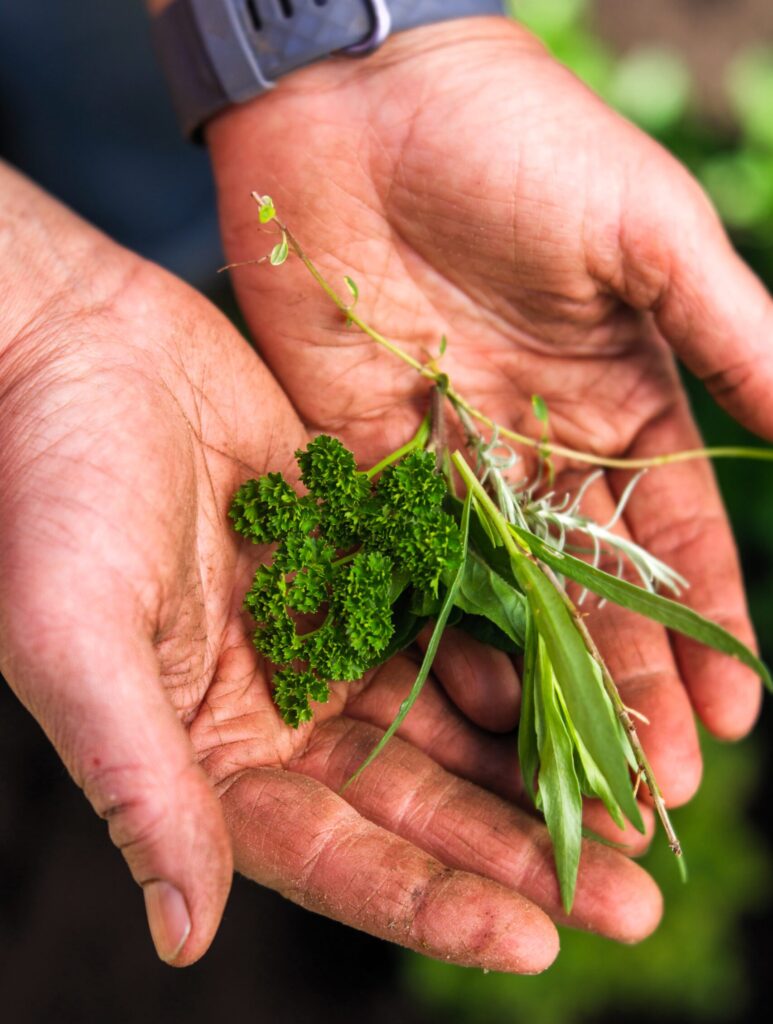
x=715 y=313
x=98 y=697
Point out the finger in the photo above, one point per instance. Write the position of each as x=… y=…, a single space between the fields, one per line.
x=478 y=678
x=676 y=513
x=677 y=261
x=438 y=729
x=97 y=695
x=467 y=828
x=639 y=657
x=295 y=835
x=629 y=840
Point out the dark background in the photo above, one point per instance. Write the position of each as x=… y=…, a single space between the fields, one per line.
x=83 y=111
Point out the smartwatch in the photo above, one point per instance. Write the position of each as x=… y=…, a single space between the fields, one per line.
x=215 y=53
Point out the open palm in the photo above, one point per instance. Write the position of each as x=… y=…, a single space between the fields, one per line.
x=473 y=187
x=131 y=412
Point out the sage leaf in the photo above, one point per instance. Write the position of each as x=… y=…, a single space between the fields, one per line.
x=483 y=592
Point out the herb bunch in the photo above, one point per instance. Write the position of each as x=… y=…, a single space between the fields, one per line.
x=376 y=556
x=345 y=550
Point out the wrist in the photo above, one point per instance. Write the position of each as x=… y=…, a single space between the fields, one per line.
x=444 y=52
x=218 y=52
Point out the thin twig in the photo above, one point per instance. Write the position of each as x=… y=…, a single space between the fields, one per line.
x=546 y=448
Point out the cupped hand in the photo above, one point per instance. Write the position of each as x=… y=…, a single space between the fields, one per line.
x=131 y=410
x=474 y=188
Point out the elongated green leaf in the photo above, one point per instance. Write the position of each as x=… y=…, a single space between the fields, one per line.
x=483 y=592
x=661 y=609
x=429 y=655
x=588 y=706
x=559 y=788
x=596 y=783
x=588 y=833
x=480 y=523
x=528 y=749
x=585 y=786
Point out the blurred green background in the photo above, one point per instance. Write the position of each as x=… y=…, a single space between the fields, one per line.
x=708 y=961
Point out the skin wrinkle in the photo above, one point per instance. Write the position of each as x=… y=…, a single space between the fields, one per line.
x=418 y=818
x=423 y=898
x=728 y=382
x=497 y=320
x=330 y=846
x=681 y=531
x=420 y=813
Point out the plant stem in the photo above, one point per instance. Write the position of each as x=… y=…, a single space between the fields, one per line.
x=547 y=448
x=417 y=442
x=512 y=544
x=344 y=559
x=437 y=438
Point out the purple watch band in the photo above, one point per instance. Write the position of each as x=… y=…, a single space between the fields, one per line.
x=219 y=52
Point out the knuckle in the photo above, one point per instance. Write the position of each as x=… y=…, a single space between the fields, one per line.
x=732 y=380
x=424 y=900
x=535 y=874
x=130 y=799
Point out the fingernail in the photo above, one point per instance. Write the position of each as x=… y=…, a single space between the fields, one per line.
x=170 y=923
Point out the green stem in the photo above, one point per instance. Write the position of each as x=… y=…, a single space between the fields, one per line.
x=347 y=308
x=344 y=559
x=417 y=442
x=460 y=402
x=516 y=548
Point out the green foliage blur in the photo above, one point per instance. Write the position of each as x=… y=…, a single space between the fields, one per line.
x=694 y=966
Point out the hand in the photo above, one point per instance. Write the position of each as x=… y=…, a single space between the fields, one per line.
x=131 y=410
x=472 y=186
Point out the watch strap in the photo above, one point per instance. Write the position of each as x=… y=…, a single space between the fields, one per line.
x=219 y=52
